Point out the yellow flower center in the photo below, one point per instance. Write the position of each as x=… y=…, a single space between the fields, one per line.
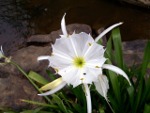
x=79 y=62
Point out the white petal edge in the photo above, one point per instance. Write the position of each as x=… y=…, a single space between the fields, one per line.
x=63 y=26
x=107 y=30
x=102 y=86
x=116 y=70
x=43 y=58
x=2 y=50
x=59 y=87
x=88 y=98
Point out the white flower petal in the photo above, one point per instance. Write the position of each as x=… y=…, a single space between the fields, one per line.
x=59 y=63
x=71 y=75
x=88 y=98
x=43 y=58
x=63 y=26
x=59 y=87
x=63 y=46
x=96 y=63
x=107 y=30
x=90 y=75
x=94 y=52
x=1 y=52
x=81 y=42
x=117 y=70
x=102 y=85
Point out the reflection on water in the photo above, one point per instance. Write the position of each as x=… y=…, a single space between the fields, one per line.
x=20 y=18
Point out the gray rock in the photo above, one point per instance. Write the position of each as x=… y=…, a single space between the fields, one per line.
x=133 y=51
x=27 y=58
x=142 y=3
x=56 y=34
x=13 y=88
x=14 y=85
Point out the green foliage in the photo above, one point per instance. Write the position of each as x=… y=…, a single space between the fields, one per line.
x=125 y=98
x=38 y=78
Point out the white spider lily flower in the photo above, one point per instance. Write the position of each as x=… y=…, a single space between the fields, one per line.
x=3 y=58
x=78 y=59
x=1 y=53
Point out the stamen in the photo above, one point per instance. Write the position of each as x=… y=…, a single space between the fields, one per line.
x=79 y=62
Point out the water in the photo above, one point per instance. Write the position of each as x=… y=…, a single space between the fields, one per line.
x=21 y=18
x=96 y=13
x=13 y=24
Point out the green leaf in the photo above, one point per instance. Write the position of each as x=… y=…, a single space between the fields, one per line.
x=147 y=108
x=131 y=95
x=40 y=104
x=38 y=78
x=138 y=97
x=37 y=110
x=146 y=59
x=60 y=103
x=51 y=75
x=146 y=92
x=117 y=47
x=114 y=82
x=8 y=112
x=28 y=111
x=108 y=53
x=65 y=99
x=101 y=110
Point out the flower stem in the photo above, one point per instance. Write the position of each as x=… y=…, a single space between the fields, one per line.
x=30 y=80
x=88 y=98
x=110 y=106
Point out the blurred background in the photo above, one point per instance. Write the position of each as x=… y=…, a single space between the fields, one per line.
x=19 y=19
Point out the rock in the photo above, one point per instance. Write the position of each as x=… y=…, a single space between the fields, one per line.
x=56 y=34
x=27 y=58
x=141 y=3
x=133 y=51
x=39 y=38
x=13 y=88
x=14 y=85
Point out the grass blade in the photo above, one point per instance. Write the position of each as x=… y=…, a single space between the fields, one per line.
x=38 y=78
x=146 y=59
x=117 y=47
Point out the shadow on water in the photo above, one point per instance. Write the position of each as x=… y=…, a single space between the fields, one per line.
x=21 y=18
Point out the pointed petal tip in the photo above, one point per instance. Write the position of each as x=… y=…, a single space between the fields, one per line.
x=43 y=58
x=2 y=50
x=107 y=30
x=120 y=23
x=64 y=14
x=42 y=94
x=63 y=25
x=116 y=70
